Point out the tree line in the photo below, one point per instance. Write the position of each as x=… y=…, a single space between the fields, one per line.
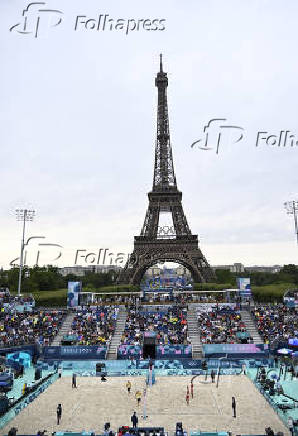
x=49 y=279
x=287 y=274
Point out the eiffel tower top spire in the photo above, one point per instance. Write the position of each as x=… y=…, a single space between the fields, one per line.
x=164 y=176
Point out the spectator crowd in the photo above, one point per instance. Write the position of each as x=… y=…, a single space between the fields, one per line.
x=169 y=324
x=276 y=322
x=17 y=328
x=94 y=325
x=222 y=326
x=9 y=301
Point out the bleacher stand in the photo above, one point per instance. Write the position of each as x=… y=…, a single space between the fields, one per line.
x=29 y=327
x=275 y=322
x=222 y=326
x=94 y=325
x=169 y=324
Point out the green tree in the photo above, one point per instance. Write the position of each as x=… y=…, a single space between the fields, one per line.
x=225 y=276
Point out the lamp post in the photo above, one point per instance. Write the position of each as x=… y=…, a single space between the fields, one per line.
x=23 y=215
x=292 y=209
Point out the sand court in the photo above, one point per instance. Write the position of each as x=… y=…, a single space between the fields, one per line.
x=94 y=403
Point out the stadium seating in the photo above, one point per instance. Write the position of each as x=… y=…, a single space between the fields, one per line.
x=30 y=327
x=276 y=322
x=170 y=326
x=94 y=325
x=221 y=326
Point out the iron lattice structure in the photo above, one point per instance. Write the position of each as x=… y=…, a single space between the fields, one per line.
x=180 y=245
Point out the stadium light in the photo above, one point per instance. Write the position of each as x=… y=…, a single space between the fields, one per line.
x=292 y=209
x=23 y=215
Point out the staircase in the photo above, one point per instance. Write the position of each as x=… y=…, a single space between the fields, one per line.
x=65 y=328
x=116 y=338
x=250 y=327
x=194 y=333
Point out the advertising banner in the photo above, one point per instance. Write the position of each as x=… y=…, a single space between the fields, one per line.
x=293 y=342
x=78 y=352
x=235 y=350
x=74 y=288
x=244 y=287
x=173 y=351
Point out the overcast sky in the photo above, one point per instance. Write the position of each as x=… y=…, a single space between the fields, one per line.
x=78 y=123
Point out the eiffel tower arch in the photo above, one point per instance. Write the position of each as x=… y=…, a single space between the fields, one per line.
x=154 y=245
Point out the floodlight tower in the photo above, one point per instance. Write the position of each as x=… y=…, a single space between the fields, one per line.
x=23 y=215
x=292 y=209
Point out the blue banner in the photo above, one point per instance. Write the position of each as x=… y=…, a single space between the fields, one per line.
x=74 y=288
x=243 y=283
x=79 y=352
x=293 y=342
x=162 y=351
x=244 y=287
x=235 y=350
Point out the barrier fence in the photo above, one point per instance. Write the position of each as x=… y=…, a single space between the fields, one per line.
x=92 y=352
x=79 y=352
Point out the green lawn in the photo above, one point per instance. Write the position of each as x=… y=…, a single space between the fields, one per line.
x=51 y=298
x=271 y=293
x=56 y=298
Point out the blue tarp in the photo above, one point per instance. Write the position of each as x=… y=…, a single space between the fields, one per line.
x=21 y=358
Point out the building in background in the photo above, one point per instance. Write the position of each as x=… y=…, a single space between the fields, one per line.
x=240 y=268
x=265 y=269
x=235 y=268
x=81 y=271
x=155 y=271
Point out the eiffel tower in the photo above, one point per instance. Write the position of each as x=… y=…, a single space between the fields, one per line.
x=169 y=243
